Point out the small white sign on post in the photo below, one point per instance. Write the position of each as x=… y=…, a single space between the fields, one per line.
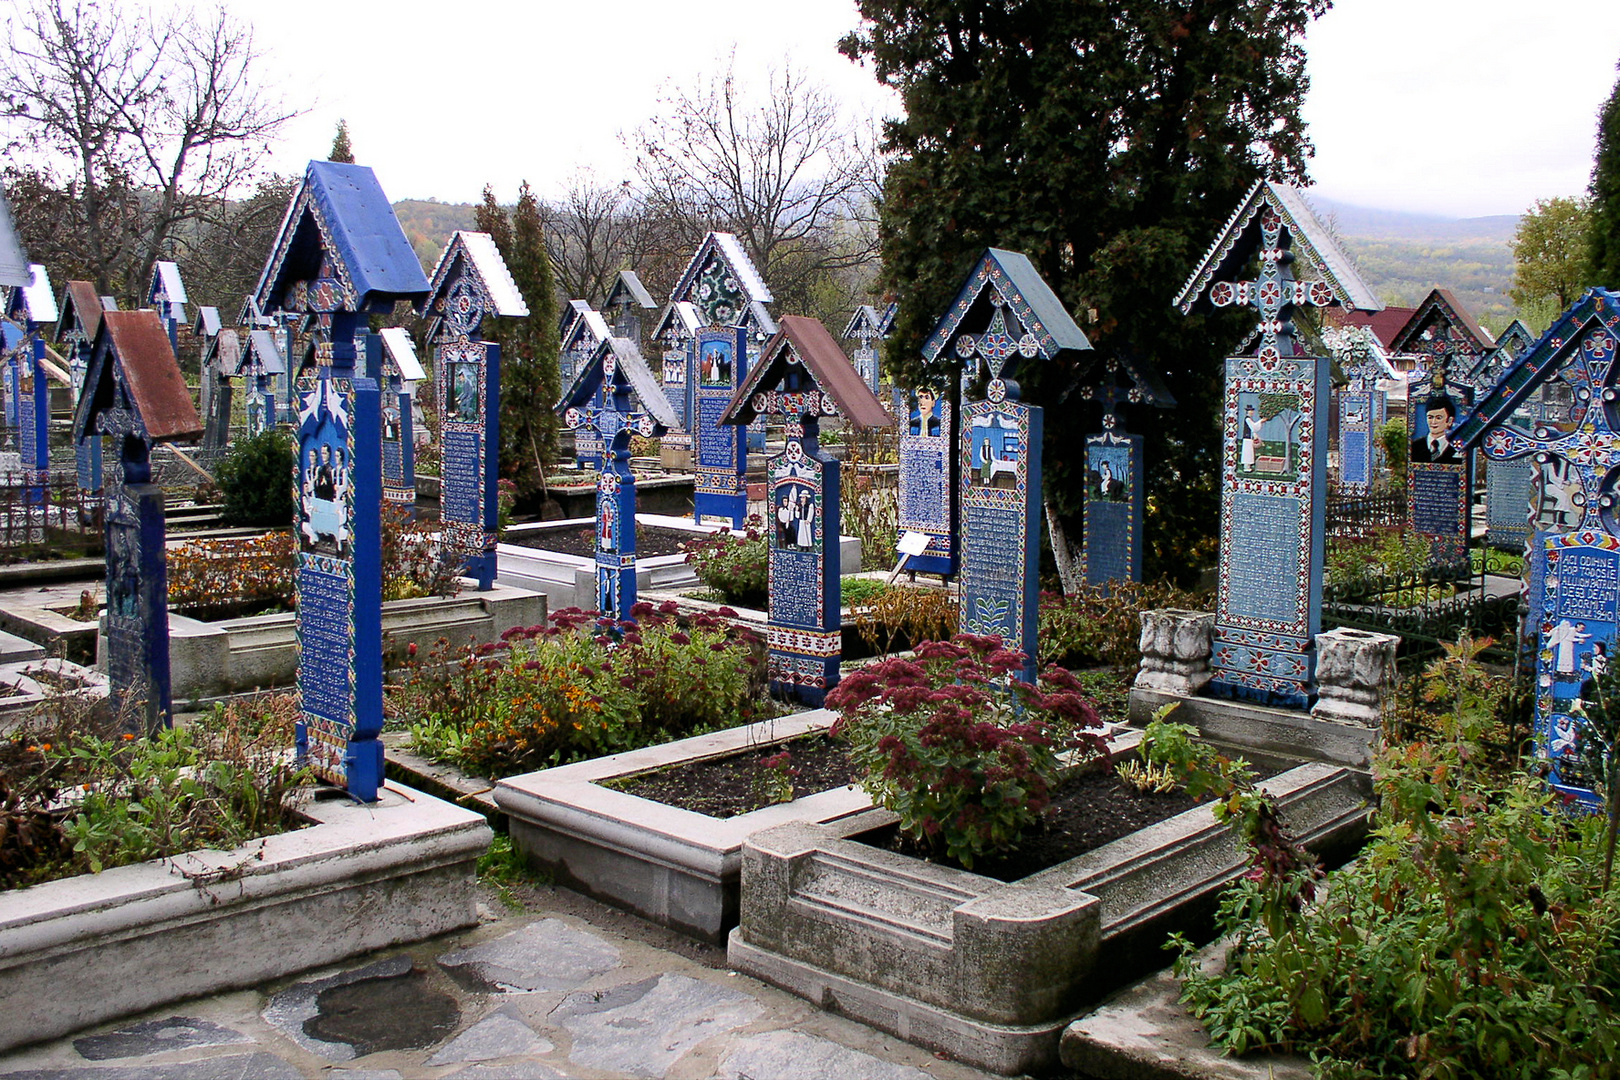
x=911 y=543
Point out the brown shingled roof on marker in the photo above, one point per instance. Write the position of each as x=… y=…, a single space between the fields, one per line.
x=824 y=359
x=152 y=375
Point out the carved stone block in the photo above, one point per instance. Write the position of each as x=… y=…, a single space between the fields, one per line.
x=1353 y=668
x=1175 y=650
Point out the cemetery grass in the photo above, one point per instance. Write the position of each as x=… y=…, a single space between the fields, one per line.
x=79 y=794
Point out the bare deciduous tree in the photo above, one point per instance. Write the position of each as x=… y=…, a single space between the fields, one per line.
x=791 y=176
x=168 y=107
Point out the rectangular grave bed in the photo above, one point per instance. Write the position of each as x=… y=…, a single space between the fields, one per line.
x=261 y=651
x=85 y=950
x=569 y=580
x=675 y=867
x=991 y=972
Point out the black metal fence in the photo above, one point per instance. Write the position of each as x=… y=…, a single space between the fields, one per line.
x=1361 y=515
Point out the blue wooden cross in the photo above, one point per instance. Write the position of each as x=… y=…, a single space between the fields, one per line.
x=599 y=401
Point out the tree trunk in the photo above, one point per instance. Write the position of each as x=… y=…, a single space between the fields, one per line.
x=1068 y=562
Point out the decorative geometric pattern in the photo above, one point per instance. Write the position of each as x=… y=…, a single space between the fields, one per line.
x=1268 y=606
x=1575 y=569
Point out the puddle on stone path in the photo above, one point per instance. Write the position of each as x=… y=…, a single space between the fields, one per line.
x=394 y=1012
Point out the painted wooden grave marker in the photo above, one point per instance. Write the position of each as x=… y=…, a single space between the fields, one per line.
x=802 y=376
x=1111 y=541
x=470 y=283
x=1274 y=471
x=167 y=295
x=583 y=335
x=1361 y=406
x=135 y=394
x=33 y=307
x=76 y=334
x=719 y=451
x=673 y=335
x=1574 y=547
x=1004 y=314
x=601 y=399
x=728 y=291
x=401 y=373
x=340 y=256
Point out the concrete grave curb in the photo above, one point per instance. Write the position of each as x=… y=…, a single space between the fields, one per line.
x=360 y=878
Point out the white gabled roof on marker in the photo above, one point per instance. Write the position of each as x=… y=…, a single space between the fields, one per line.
x=402 y=352
x=168 y=276
x=598 y=325
x=39 y=298
x=753 y=285
x=487 y=261
x=13 y=260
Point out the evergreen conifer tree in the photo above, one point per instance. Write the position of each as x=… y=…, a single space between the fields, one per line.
x=530 y=379
x=1108 y=140
x=1603 y=239
x=341 y=150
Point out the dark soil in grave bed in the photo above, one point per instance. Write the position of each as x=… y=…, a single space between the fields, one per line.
x=737 y=784
x=1091 y=808
x=651 y=540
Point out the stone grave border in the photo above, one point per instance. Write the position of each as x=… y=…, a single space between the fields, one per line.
x=255 y=652
x=990 y=972
x=677 y=868
x=362 y=877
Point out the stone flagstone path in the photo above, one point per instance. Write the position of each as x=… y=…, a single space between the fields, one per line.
x=564 y=989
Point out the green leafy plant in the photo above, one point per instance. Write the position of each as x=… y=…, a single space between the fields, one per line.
x=859 y=591
x=1397 y=446
x=1103 y=625
x=965 y=754
x=577 y=688
x=256 y=479
x=735 y=565
x=73 y=799
x=1472 y=937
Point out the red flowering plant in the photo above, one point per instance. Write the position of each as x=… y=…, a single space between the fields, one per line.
x=966 y=754
x=735 y=565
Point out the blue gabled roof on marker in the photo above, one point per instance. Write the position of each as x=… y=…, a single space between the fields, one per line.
x=352 y=214
x=1011 y=272
x=1540 y=362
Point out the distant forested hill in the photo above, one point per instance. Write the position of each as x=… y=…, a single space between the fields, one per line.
x=1403 y=256
x=428 y=224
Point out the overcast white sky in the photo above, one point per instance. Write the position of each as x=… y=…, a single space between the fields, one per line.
x=1438 y=106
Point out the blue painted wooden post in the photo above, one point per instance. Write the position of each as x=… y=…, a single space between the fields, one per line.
x=719 y=452
x=926 y=495
x=1274 y=445
x=600 y=400
x=802 y=375
x=75 y=332
x=470 y=282
x=135 y=394
x=1001 y=517
x=1004 y=315
x=358 y=264
x=33 y=307
x=1111 y=548
x=1574 y=545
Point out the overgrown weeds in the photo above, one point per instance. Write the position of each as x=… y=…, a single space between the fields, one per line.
x=74 y=798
